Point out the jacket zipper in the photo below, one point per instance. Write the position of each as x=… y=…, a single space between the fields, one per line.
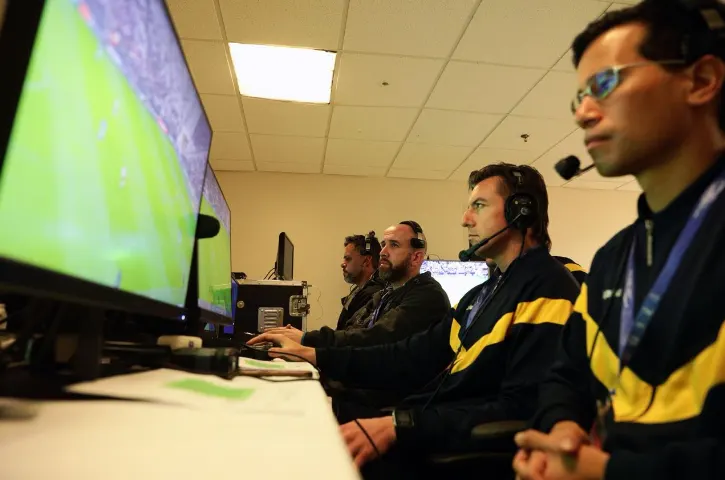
x=648 y=225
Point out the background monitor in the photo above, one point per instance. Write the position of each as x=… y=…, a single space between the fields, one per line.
x=456 y=277
x=101 y=180
x=214 y=255
x=284 y=268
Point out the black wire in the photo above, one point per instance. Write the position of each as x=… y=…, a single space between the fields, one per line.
x=370 y=439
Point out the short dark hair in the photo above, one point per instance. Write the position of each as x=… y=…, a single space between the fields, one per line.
x=359 y=242
x=674 y=32
x=532 y=183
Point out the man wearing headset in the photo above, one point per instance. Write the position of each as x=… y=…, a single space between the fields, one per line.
x=410 y=302
x=481 y=364
x=639 y=386
x=360 y=264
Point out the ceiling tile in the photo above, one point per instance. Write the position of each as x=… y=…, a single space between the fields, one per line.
x=360 y=152
x=372 y=123
x=495 y=33
x=286 y=118
x=543 y=133
x=565 y=63
x=482 y=88
x=421 y=156
x=445 y=127
x=278 y=149
x=361 y=77
x=288 y=167
x=573 y=144
x=311 y=24
x=356 y=170
x=232 y=165
x=195 y=19
x=209 y=66
x=589 y=185
x=223 y=112
x=632 y=186
x=229 y=146
x=550 y=98
x=486 y=156
x=419 y=174
x=408 y=27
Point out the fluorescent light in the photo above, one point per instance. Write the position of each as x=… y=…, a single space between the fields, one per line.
x=283 y=73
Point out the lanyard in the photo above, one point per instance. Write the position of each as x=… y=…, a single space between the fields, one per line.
x=632 y=328
x=486 y=292
x=383 y=300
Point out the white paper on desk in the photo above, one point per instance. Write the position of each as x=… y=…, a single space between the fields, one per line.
x=281 y=365
x=265 y=398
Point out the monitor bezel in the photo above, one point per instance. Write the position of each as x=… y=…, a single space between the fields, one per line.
x=209 y=316
x=279 y=264
x=17 y=39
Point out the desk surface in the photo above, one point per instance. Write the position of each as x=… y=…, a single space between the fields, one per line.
x=286 y=429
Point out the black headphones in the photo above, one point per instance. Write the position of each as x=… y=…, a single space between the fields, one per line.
x=368 y=247
x=697 y=44
x=415 y=242
x=520 y=209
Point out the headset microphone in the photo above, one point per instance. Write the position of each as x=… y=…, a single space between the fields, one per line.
x=569 y=167
x=466 y=255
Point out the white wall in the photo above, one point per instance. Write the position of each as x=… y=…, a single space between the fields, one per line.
x=318 y=211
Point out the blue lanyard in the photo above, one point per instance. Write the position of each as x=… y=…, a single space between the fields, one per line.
x=383 y=300
x=632 y=328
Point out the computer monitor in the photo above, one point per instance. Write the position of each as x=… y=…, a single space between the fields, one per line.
x=214 y=256
x=284 y=268
x=456 y=277
x=103 y=167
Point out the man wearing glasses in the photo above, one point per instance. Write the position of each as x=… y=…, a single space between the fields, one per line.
x=639 y=385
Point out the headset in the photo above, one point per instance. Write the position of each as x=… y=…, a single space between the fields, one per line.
x=416 y=242
x=712 y=13
x=520 y=209
x=368 y=247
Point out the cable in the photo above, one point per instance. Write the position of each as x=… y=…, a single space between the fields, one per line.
x=370 y=439
x=319 y=296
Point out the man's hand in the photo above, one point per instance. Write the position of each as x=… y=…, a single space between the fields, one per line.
x=289 y=331
x=589 y=463
x=381 y=431
x=565 y=437
x=286 y=348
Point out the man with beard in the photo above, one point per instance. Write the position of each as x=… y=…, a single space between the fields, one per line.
x=410 y=302
x=359 y=268
x=481 y=364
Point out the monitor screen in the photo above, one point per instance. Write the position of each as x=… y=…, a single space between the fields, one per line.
x=456 y=277
x=105 y=162
x=214 y=254
x=285 y=257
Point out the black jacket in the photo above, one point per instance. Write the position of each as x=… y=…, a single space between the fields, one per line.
x=495 y=374
x=574 y=268
x=411 y=308
x=358 y=298
x=668 y=420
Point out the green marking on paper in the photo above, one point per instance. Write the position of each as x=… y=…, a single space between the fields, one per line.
x=212 y=390
x=255 y=363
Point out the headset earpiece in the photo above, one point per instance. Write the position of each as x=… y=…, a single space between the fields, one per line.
x=416 y=242
x=368 y=247
x=520 y=209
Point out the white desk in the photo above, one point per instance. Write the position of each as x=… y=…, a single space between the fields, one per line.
x=189 y=436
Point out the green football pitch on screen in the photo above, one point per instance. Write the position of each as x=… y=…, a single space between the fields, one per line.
x=215 y=268
x=91 y=186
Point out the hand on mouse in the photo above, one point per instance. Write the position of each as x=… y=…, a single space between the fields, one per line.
x=285 y=348
x=289 y=331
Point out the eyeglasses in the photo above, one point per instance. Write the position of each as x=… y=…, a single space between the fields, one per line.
x=602 y=83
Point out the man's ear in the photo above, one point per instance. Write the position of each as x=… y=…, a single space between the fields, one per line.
x=706 y=75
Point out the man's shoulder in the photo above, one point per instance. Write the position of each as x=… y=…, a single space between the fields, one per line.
x=549 y=278
x=612 y=250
